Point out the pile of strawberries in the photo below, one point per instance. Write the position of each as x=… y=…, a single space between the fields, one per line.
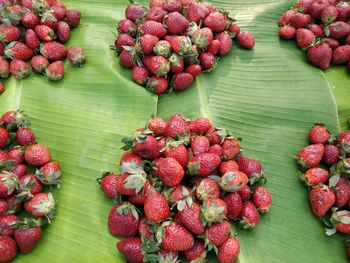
x=25 y=169
x=35 y=31
x=325 y=166
x=321 y=28
x=181 y=183
x=173 y=41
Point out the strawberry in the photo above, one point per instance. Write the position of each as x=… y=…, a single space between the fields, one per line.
x=55 y=71
x=37 y=155
x=214 y=47
x=59 y=11
x=207 y=61
x=285 y=17
x=304 y=37
x=214 y=210
x=225 y=43
x=200 y=125
x=145 y=227
x=129 y=157
x=177 y=126
x=133 y=180
x=123 y=220
x=342 y=192
x=176 y=23
x=63 y=31
x=54 y=51
x=29 y=186
x=182 y=45
x=217 y=233
x=329 y=15
x=179 y=196
x=230 y=148
x=287 y=32
x=319 y=134
x=135 y=12
x=156 y=207
x=337 y=30
x=310 y=156
x=216 y=21
x=172 y=6
x=3 y=207
x=154 y=28
x=262 y=199
x=202 y=37
x=300 y=20
x=19 y=69
x=14 y=119
x=343 y=11
x=341 y=54
x=140 y=75
x=73 y=18
x=331 y=154
x=229 y=166
x=234 y=30
x=130 y=248
x=228 y=252
x=190 y=217
x=233 y=181
x=18 y=50
x=197 y=12
x=216 y=149
x=144 y=145
x=316 y=30
x=197 y=253
x=25 y=136
x=322 y=198
x=170 y=171
x=177 y=63
x=341 y=221
x=234 y=205
x=203 y=164
x=210 y=6
x=40 y=205
x=31 y=39
x=177 y=151
x=343 y=140
x=126 y=60
x=44 y=33
x=124 y=40
x=27 y=237
x=49 y=174
x=9 y=34
x=166 y=256
x=315 y=176
x=16 y=154
x=162 y=48
x=176 y=237
x=147 y=43
x=320 y=55
x=246 y=40
x=140 y=197
x=8 y=249
x=39 y=63
x=182 y=81
x=157 y=126
x=4 y=137
x=19 y=170
x=194 y=70
x=30 y=20
x=158 y=65
x=4 y=68
x=8 y=183
x=249 y=215
x=304 y=5
x=156 y=3
x=156 y=13
x=199 y=145
x=207 y=188
x=126 y=26
x=6 y=222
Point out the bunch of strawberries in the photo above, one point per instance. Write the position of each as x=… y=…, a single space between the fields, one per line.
x=325 y=166
x=321 y=28
x=25 y=169
x=168 y=45
x=35 y=31
x=181 y=183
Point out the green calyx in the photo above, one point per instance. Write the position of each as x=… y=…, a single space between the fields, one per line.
x=46 y=206
x=200 y=41
x=137 y=178
x=6 y=165
x=245 y=224
x=21 y=120
x=175 y=60
x=40 y=7
x=186 y=47
x=27 y=223
x=193 y=168
x=52 y=179
x=340 y=217
x=126 y=208
x=226 y=182
x=212 y=213
x=162 y=50
x=163 y=69
x=192 y=27
x=10 y=181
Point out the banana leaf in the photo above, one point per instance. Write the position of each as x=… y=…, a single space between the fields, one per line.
x=269 y=96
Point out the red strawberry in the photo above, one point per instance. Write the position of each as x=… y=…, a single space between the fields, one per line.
x=343 y=140
x=157 y=126
x=229 y=166
x=329 y=15
x=73 y=18
x=170 y=171
x=124 y=40
x=135 y=12
x=157 y=85
x=147 y=43
x=322 y=198
x=234 y=205
x=234 y=30
x=140 y=197
x=156 y=14
x=246 y=40
x=342 y=192
x=19 y=170
x=123 y=220
x=27 y=238
x=158 y=65
x=19 y=69
x=31 y=39
x=230 y=148
x=9 y=34
x=144 y=228
x=156 y=207
x=8 y=248
x=25 y=136
x=6 y=222
x=214 y=47
x=310 y=156
x=126 y=26
x=37 y=155
x=176 y=23
x=4 y=137
x=154 y=28
x=177 y=126
x=144 y=145
x=287 y=32
x=49 y=174
x=182 y=81
x=228 y=252
x=304 y=5
x=249 y=215
x=337 y=30
x=30 y=20
x=45 y=33
x=197 y=252
x=177 y=151
x=126 y=59
x=207 y=188
x=16 y=154
x=29 y=186
x=156 y=3
x=199 y=145
x=226 y=43
x=315 y=176
x=300 y=20
x=341 y=54
x=304 y=37
x=333 y=44
x=55 y=71
x=202 y=37
x=129 y=157
x=63 y=31
x=190 y=217
x=140 y=75
x=176 y=237
x=40 y=205
x=320 y=55
x=203 y=164
x=3 y=207
x=316 y=30
x=262 y=199
x=197 y=12
x=18 y=50
x=4 y=68
x=319 y=134
x=214 y=210
x=166 y=256
x=194 y=70
x=182 y=45
x=233 y=181
x=216 y=22
x=54 y=51
x=39 y=63
x=218 y=233
x=343 y=9
x=177 y=63
x=130 y=248
x=207 y=61
x=200 y=125
x=8 y=183
x=172 y=6
x=285 y=17
x=162 y=48
x=331 y=154
x=59 y=11
x=216 y=148
x=341 y=221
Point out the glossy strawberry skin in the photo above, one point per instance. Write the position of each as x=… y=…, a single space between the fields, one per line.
x=342 y=193
x=177 y=238
x=179 y=153
x=170 y=171
x=109 y=184
x=207 y=188
x=122 y=223
x=249 y=215
x=190 y=217
x=315 y=176
x=218 y=233
x=156 y=207
x=310 y=156
x=197 y=251
x=27 y=239
x=322 y=199
x=37 y=155
x=25 y=136
x=262 y=199
x=203 y=164
x=130 y=248
x=5 y=224
x=234 y=205
x=8 y=249
x=230 y=148
x=228 y=252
